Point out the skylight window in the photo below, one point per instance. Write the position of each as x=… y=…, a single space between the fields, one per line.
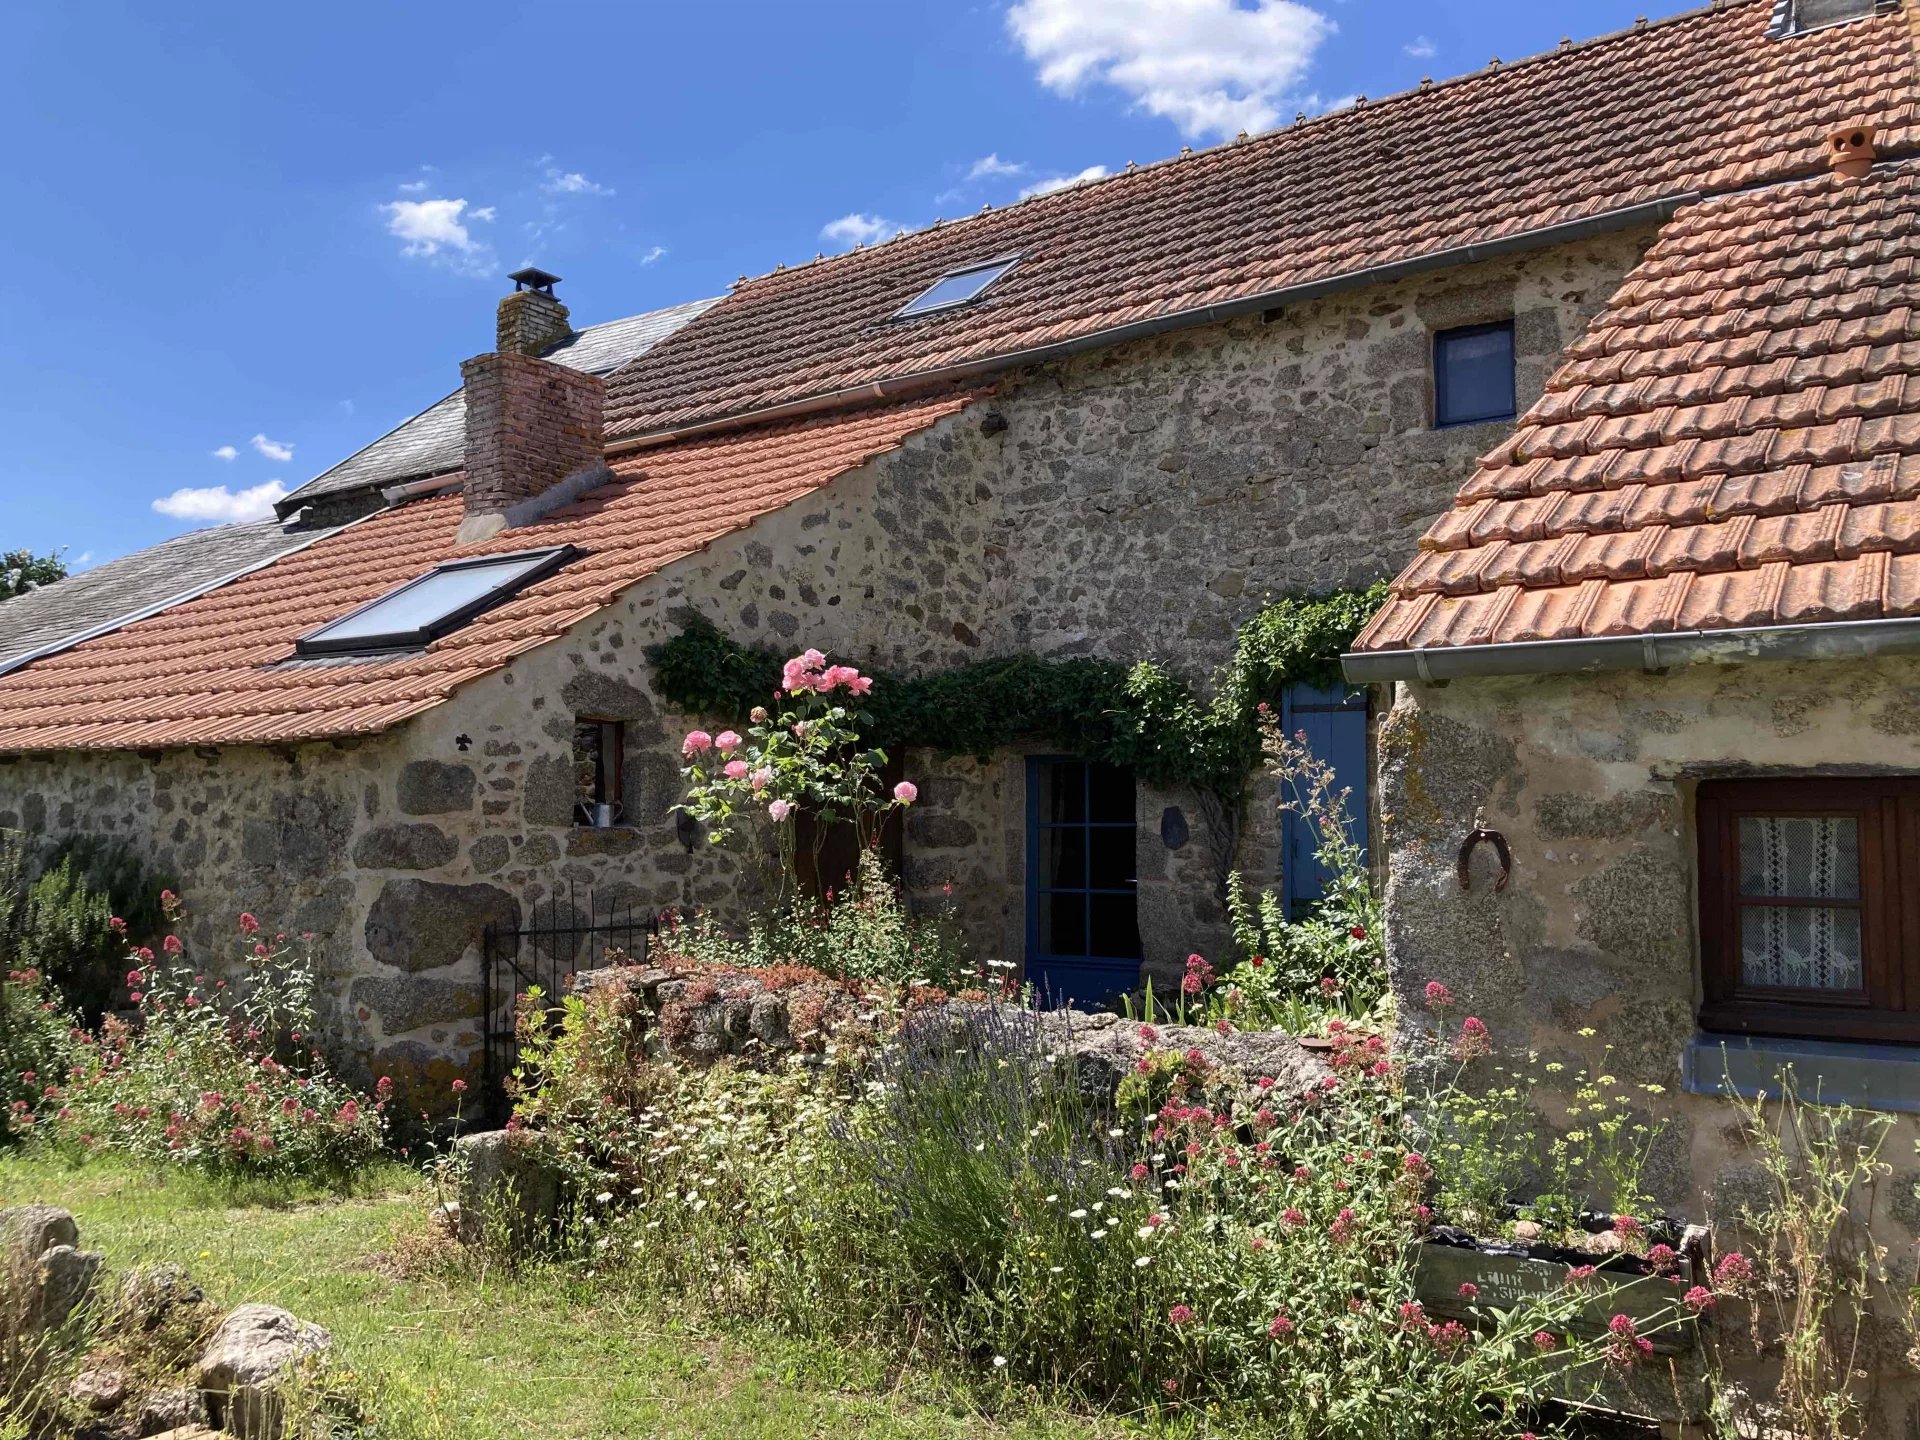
x=957 y=287
x=440 y=601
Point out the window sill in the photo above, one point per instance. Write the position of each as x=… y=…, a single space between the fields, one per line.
x=1834 y=1072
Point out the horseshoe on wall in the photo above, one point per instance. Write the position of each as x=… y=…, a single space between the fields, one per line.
x=1502 y=851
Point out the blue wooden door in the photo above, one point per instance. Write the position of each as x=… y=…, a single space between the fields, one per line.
x=1335 y=723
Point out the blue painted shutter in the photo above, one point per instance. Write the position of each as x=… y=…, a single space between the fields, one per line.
x=1335 y=722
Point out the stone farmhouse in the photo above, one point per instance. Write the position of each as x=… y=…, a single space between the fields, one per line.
x=1107 y=422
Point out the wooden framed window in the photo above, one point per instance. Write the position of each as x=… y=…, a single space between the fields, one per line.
x=598 y=746
x=1810 y=907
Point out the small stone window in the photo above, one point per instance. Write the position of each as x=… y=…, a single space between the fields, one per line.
x=1810 y=908
x=1473 y=374
x=597 y=749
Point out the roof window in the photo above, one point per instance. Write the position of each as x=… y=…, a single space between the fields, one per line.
x=442 y=600
x=957 y=287
x=1797 y=17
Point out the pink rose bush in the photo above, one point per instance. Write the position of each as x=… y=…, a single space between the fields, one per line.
x=804 y=754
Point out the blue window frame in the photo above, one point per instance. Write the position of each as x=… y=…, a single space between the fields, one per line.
x=1473 y=374
x=1335 y=724
x=1083 y=929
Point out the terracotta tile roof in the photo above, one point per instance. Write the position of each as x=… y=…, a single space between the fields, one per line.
x=219 y=669
x=1734 y=442
x=1703 y=102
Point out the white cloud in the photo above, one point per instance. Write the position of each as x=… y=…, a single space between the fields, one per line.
x=572 y=182
x=1061 y=182
x=857 y=229
x=1212 y=67
x=226 y=452
x=83 y=560
x=272 y=449
x=1421 y=48
x=221 y=505
x=992 y=167
x=437 y=230
x=658 y=252
x=412 y=187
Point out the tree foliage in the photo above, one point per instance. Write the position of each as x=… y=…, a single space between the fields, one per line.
x=22 y=570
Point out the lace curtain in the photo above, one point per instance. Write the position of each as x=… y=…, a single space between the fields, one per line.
x=1812 y=947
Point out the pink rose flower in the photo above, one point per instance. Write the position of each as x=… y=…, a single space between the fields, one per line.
x=726 y=742
x=779 y=810
x=736 y=769
x=906 y=792
x=698 y=742
x=762 y=777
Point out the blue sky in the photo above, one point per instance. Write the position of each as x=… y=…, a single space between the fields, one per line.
x=240 y=240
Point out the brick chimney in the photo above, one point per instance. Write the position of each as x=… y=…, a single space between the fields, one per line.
x=534 y=428
x=531 y=321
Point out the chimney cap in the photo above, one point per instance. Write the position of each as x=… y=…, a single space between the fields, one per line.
x=534 y=278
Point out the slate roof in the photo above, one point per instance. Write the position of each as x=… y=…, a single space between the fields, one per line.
x=433 y=442
x=1702 y=102
x=158 y=575
x=1735 y=442
x=219 y=669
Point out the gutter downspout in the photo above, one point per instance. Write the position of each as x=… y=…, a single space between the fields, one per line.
x=1836 y=640
x=898 y=388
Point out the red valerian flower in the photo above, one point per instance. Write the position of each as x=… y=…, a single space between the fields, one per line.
x=1438 y=996
x=1625 y=1225
x=459 y=1087
x=1580 y=1273
x=1734 y=1269
x=1469 y=1290
x=1139 y=1172
x=1545 y=1342
x=1626 y=1347
x=1698 y=1298
x=247 y=923
x=1663 y=1259
x=1358 y=932
x=1181 y=1315
x=1281 y=1327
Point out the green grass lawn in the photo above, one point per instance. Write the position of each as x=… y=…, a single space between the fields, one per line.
x=455 y=1350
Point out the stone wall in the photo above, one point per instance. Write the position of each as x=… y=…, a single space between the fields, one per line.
x=1592 y=779
x=1136 y=503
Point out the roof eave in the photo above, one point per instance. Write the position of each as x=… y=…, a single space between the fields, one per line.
x=1828 y=640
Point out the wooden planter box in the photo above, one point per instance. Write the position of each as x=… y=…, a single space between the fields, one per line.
x=1672 y=1388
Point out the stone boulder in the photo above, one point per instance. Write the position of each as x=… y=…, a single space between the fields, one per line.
x=507 y=1192
x=46 y=1275
x=247 y=1359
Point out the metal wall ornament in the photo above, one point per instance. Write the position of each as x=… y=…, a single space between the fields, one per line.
x=1502 y=852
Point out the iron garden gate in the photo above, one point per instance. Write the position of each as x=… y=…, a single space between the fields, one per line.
x=562 y=938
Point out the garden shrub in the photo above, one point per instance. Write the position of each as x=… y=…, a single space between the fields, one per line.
x=868 y=934
x=223 y=1077
x=1195 y=1242
x=60 y=921
x=37 y=1038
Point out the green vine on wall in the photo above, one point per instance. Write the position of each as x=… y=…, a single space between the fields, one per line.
x=1141 y=716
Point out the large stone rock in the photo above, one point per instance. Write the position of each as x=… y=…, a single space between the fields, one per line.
x=417 y=925
x=404 y=847
x=410 y=1003
x=507 y=1194
x=179 y=1407
x=429 y=787
x=547 y=796
x=247 y=1359
x=66 y=1281
x=148 y=1295
x=48 y=1276
x=29 y=1231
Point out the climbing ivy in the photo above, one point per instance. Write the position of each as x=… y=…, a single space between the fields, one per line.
x=1141 y=716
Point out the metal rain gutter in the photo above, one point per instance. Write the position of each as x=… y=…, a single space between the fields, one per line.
x=902 y=386
x=1837 y=640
